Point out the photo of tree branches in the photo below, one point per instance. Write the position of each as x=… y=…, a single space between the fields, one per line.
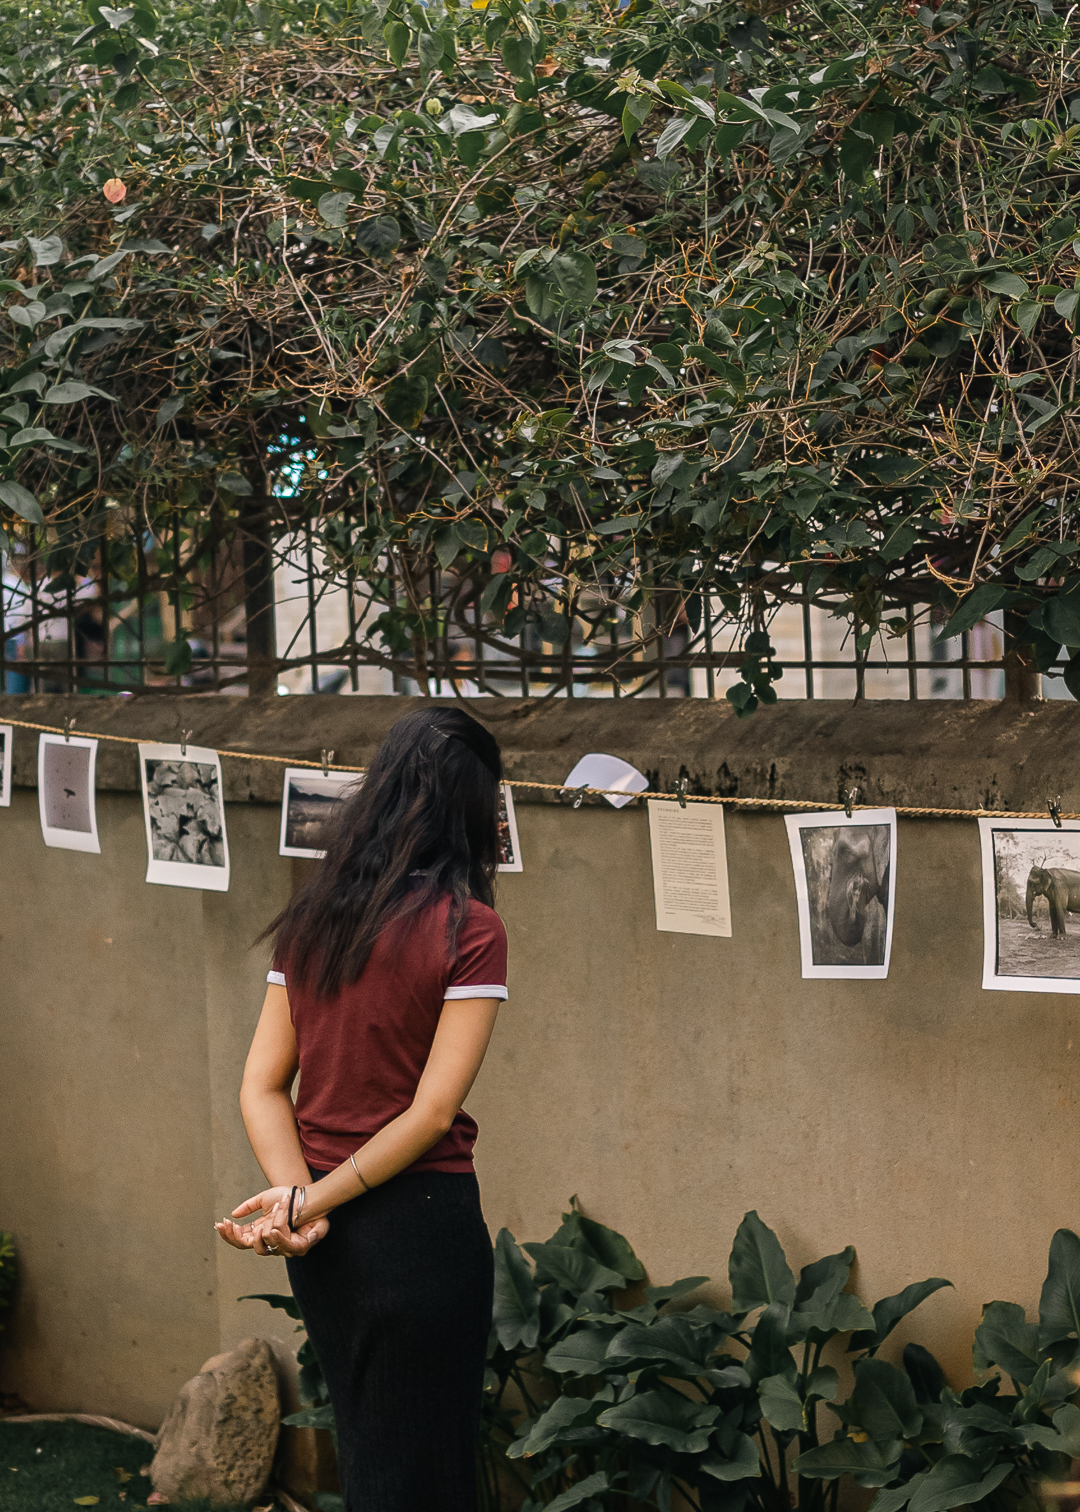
x=546 y=315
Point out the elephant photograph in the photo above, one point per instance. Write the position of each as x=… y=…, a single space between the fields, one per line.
x=844 y=881
x=1031 y=905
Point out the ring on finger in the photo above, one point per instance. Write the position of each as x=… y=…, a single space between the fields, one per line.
x=272 y=1249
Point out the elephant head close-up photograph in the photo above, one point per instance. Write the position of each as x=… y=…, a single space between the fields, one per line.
x=847 y=882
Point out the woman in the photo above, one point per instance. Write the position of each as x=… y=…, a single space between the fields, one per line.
x=389 y=968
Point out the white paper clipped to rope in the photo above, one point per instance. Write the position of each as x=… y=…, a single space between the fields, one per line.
x=599 y=771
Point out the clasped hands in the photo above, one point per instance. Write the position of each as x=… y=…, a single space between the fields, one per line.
x=269 y=1233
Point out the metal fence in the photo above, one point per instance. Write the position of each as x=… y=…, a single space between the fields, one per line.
x=127 y=619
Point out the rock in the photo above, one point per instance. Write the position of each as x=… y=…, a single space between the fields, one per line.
x=219 y=1437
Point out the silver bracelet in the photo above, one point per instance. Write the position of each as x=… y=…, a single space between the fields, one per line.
x=300 y=1205
x=360 y=1179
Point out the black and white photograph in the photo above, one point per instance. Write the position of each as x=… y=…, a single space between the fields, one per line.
x=308 y=801
x=845 y=884
x=186 y=842
x=5 y=765
x=509 y=844
x=66 y=799
x=1031 y=905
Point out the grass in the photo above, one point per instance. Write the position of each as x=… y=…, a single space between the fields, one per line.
x=51 y=1467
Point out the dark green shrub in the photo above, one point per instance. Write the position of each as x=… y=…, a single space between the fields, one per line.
x=9 y=1273
x=600 y=1388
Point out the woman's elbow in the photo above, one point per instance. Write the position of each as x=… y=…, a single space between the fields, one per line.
x=435 y=1120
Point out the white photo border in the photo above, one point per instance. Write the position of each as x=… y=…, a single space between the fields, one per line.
x=511 y=820
x=183 y=873
x=991 y=981
x=795 y=824
x=8 y=732
x=309 y=774
x=65 y=839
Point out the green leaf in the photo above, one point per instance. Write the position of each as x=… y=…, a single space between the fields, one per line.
x=405 y=400
x=974 y=607
x=47 y=251
x=1005 y=283
x=673 y=133
x=563 y=1413
x=891 y=1310
x=311 y=1417
x=285 y=1304
x=177 y=658
x=572 y=1269
x=869 y=1463
x=581 y=1353
x=396 y=36
x=575 y=274
x=1006 y=1338
x=758 y=1269
x=663 y=1417
x=378 y=236
x=1061 y=621
x=1067 y=304
x=596 y=1239
x=517 y=56
x=1059 y=1304
x=956 y=1481
x=1026 y=314
x=743 y=1462
x=591 y=1486
x=770 y=1351
x=334 y=207
x=22 y=502
x=856 y=155
x=73 y=391
x=658 y=1295
x=431 y=48
x=516 y=1314
x=685 y=1350
x=882 y=1403
x=168 y=410
x=782 y=1405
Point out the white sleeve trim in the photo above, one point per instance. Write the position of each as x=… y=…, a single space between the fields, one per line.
x=276 y=978
x=481 y=989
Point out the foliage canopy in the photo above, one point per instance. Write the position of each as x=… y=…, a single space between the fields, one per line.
x=554 y=313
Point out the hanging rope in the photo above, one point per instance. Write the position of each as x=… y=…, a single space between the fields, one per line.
x=765 y=804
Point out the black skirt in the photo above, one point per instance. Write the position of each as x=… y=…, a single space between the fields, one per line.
x=397 y=1301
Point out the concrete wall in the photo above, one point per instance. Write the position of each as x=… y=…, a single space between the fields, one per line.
x=670 y=1081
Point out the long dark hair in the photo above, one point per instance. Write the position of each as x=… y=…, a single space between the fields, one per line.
x=421 y=826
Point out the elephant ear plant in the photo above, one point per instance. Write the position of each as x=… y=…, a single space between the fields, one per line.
x=634 y=1401
x=594 y=1403
x=930 y=1449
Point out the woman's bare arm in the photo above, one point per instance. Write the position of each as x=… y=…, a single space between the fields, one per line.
x=267 y=1109
x=456 y=1055
x=265 y=1094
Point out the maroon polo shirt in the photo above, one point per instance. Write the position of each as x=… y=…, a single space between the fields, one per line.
x=363 y=1051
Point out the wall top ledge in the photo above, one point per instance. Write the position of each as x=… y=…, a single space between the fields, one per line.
x=941 y=753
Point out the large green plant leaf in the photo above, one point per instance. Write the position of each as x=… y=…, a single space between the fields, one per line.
x=1059 y=1304
x=563 y=1415
x=685 y=1350
x=890 y=1310
x=1006 y=1338
x=770 y=1350
x=602 y=1243
x=573 y=1269
x=867 y=1462
x=1063 y=1437
x=782 y=1405
x=882 y=1403
x=663 y=1417
x=516 y=1314
x=742 y=1462
x=581 y=1353
x=758 y=1268
x=956 y=1481
x=583 y=1491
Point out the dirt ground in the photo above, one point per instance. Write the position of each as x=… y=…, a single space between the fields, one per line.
x=1023 y=951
